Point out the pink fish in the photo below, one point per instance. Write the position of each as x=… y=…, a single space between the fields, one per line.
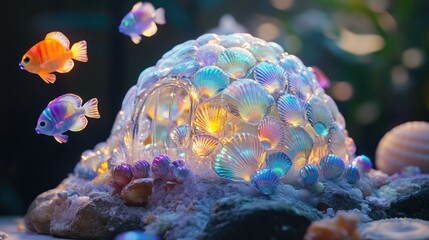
x=66 y=113
x=142 y=20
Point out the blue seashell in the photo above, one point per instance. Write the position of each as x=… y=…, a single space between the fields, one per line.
x=262 y=52
x=84 y=172
x=309 y=174
x=271 y=132
x=265 y=181
x=363 y=163
x=298 y=86
x=351 y=174
x=271 y=76
x=178 y=163
x=209 y=81
x=185 y=69
x=161 y=166
x=291 y=110
x=236 y=62
x=180 y=173
x=279 y=162
x=331 y=166
x=239 y=157
x=247 y=100
x=207 y=55
x=276 y=47
x=179 y=134
x=298 y=144
x=136 y=235
x=319 y=116
x=140 y=169
x=292 y=63
x=208 y=38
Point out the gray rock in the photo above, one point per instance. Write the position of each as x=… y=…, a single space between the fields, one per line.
x=250 y=218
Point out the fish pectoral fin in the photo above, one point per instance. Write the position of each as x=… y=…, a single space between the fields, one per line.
x=61 y=138
x=48 y=78
x=68 y=65
x=80 y=124
x=151 y=30
x=160 y=16
x=135 y=38
x=50 y=64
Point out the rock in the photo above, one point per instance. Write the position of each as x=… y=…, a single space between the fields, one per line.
x=260 y=218
x=339 y=197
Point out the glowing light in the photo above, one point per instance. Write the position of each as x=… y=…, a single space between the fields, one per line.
x=342 y=91
x=103 y=167
x=268 y=31
x=378 y=5
x=282 y=4
x=412 y=58
x=399 y=76
x=359 y=44
x=387 y=22
x=367 y=113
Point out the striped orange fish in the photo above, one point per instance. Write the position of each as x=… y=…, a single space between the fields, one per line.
x=53 y=54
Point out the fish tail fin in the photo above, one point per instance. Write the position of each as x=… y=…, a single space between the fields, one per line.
x=91 y=108
x=160 y=16
x=79 y=51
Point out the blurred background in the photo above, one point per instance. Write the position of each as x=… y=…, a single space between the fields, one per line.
x=375 y=53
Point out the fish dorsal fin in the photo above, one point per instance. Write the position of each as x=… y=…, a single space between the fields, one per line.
x=137 y=6
x=68 y=65
x=151 y=30
x=80 y=124
x=60 y=37
x=71 y=98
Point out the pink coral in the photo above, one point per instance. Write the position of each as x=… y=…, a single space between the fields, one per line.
x=342 y=227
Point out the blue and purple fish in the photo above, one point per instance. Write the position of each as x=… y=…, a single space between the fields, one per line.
x=66 y=113
x=142 y=20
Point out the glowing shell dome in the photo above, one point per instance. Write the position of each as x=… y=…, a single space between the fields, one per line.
x=231 y=106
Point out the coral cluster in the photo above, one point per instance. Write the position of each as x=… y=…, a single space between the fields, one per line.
x=236 y=107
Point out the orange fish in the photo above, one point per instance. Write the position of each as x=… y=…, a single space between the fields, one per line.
x=53 y=54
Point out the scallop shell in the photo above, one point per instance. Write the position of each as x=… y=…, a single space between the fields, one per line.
x=265 y=181
x=395 y=229
x=319 y=116
x=309 y=174
x=271 y=76
x=404 y=145
x=262 y=52
x=247 y=100
x=122 y=174
x=338 y=117
x=140 y=169
x=185 y=69
x=179 y=134
x=161 y=166
x=239 y=157
x=292 y=63
x=298 y=86
x=208 y=38
x=291 y=110
x=298 y=144
x=279 y=162
x=331 y=167
x=210 y=117
x=204 y=145
x=208 y=54
x=351 y=174
x=363 y=163
x=276 y=47
x=271 y=132
x=209 y=81
x=236 y=62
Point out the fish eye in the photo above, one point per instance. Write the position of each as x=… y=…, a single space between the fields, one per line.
x=126 y=23
x=42 y=124
x=26 y=59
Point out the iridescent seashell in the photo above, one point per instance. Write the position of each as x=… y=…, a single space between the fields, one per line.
x=209 y=81
x=239 y=157
x=208 y=38
x=204 y=145
x=309 y=174
x=363 y=163
x=292 y=63
x=265 y=181
x=262 y=52
x=351 y=174
x=404 y=145
x=291 y=110
x=210 y=117
x=338 y=117
x=147 y=78
x=319 y=116
x=395 y=229
x=236 y=62
x=247 y=100
x=271 y=76
x=122 y=174
x=185 y=69
x=179 y=134
x=208 y=54
x=161 y=166
x=279 y=162
x=271 y=132
x=337 y=141
x=276 y=47
x=180 y=173
x=140 y=169
x=331 y=166
x=238 y=40
x=298 y=144
x=298 y=86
